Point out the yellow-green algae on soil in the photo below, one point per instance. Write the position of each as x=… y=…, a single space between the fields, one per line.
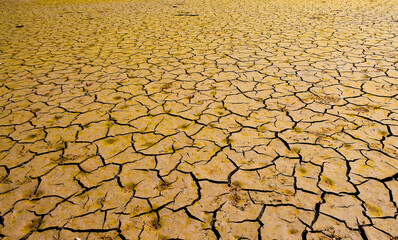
x=183 y=119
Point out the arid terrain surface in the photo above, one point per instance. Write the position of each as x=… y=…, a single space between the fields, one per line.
x=198 y=119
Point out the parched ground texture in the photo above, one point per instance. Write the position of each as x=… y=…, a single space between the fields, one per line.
x=199 y=119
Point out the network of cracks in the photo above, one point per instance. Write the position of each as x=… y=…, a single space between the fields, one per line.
x=219 y=119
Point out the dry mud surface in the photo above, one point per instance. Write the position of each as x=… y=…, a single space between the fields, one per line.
x=224 y=119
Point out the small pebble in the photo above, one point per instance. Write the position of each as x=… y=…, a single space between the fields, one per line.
x=79 y=11
x=175 y=6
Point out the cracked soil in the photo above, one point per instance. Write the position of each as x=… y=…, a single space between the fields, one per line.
x=198 y=119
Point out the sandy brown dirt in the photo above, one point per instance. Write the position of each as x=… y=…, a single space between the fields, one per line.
x=199 y=119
